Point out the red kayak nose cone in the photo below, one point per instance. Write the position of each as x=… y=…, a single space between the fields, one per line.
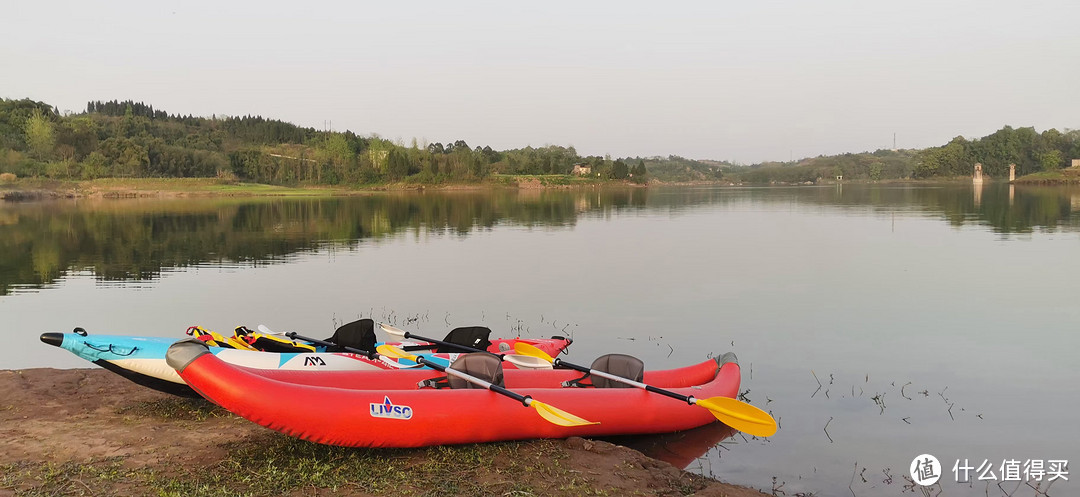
x=54 y=339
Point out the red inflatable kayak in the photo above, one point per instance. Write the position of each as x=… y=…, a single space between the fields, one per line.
x=380 y=409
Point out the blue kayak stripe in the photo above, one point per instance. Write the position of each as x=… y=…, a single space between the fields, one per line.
x=114 y=347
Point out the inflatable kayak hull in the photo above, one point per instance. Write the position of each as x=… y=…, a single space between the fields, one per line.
x=410 y=379
x=142 y=359
x=378 y=416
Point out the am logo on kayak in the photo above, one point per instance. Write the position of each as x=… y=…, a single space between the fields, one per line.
x=388 y=410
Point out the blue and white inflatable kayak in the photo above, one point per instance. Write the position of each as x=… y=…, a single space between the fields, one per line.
x=141 y=359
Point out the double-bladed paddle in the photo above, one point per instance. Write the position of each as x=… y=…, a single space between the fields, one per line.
x=370 y=354
x=521 y=361
x=551 y=414
x=734 y=413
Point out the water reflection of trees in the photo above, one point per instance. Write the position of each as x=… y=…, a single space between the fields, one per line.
x=133 y=240
x=1003 y=208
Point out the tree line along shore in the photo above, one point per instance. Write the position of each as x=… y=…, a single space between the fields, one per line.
x=132 y=140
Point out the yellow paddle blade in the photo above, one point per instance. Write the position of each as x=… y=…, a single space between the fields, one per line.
x=740 y=415
x=558 y=416
x=527 y=361
x=529 y=350
x=392 y=351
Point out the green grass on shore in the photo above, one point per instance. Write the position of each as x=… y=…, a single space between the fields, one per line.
x=124 y=187
x=204 y=185
x=166 y=186
x=549 y=179
x=274 y=464
x=1060 y=176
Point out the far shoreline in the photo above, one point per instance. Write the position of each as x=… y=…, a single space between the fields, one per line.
x=28 y=189
x=117 y=188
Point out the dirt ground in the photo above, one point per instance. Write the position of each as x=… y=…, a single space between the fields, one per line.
x=56 y=423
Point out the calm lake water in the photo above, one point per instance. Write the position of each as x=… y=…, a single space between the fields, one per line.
x=876 y=323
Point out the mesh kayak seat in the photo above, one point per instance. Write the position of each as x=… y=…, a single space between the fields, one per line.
x=358 y=334
x=468 y=336
x=621 y=365
x=483 y=365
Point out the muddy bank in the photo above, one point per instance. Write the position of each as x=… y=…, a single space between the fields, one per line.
x=91 y=432
x=28 y=189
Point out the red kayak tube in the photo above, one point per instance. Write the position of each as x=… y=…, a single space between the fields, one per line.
x=387 y=409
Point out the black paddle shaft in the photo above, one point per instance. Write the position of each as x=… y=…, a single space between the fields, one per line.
x=650 y=388
x=463 y=348
x=524 y=399
x=365 y=353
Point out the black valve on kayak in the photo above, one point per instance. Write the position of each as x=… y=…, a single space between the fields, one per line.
x=54 y=339
x=79 y=331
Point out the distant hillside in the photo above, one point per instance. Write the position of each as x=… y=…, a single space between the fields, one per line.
x=1031 y=151
x=675 y=169
x=882 y=164
x=135 y=140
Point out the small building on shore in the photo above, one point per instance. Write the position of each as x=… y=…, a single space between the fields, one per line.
x=581 y=170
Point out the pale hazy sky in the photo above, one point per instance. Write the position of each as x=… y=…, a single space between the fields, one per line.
x=745 y=81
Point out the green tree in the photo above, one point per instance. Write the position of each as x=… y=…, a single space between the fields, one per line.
x=1051 y=161
x=638 y=172
x=338 y=147
x=1054 y=140
x=949 y=160
x=78 y=133
x=397 y=164
x=128 y=158
x=379 y=153
x=619 y=170
x=40 y=135
x=876 y=168
x=95 y=166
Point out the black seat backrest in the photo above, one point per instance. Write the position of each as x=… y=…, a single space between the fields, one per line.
x=483 y=365
x=358 y=334
x=623 y=365
x=469 y=336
